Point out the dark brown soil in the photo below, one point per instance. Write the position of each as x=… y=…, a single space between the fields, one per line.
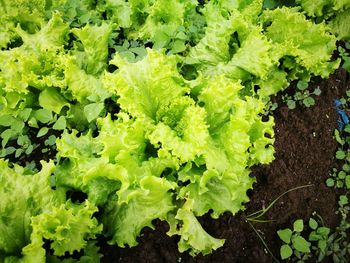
x=304 y=155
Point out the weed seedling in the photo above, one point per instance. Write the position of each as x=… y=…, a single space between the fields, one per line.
x=294 y=243
x=302 y=96
x=344 y=54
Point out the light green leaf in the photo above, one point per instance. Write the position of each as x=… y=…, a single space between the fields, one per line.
x=300 y=244
x=286 y=251
x=192 y=236
x=291 y=104
x=340 y=155
x=146 y=85
x=93 y=110
x=341 y=175
x=6 y=120
x=309 y=101
x=51 y=99
x=150 y=200
x=287 y=31
x=60 y=124
x=95 y=42
x=317 y=91
x=347 y=181
x=313 y=223
x=314 y=236
x=298 y=225
x=24 y=197
x=347 y=128
x=43 y=131
x=330 y=182
x=302 y=85
x=343 y=199
x=285 y=235
x=43 y=115
x=178 y=46
x=67 y=226
x=322 y=244
x=337 y=135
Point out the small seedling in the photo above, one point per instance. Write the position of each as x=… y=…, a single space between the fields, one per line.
x=339 y=179
x=294 y=243
x=302 y=96
x=320 y=236
x=344 y=54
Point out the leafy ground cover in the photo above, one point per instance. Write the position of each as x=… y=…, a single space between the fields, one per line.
x=117 y=115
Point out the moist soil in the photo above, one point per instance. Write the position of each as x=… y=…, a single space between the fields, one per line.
x=305 y=150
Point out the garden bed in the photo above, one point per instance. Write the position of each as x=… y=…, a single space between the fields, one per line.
x=305 y=149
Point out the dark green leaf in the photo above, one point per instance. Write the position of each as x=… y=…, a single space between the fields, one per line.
x=314 y=236
x=323 y=231
x=322 y=244
x=29 y=150
x=18 y=152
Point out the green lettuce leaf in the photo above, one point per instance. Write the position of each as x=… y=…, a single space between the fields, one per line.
x=24 y=196
x=313 y=52
x=340 y=25
x=95 y=47
x=185 y=137
x=148 y=200
x=37 y=62
x=163 y=18
x=324 y=8
x=233 y=45
x=143 y=87
x=68 y=226
x=192 y=235
x=83 y=87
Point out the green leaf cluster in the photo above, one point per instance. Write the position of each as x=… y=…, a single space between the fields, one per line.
x=302 y=96
x=294 y=242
